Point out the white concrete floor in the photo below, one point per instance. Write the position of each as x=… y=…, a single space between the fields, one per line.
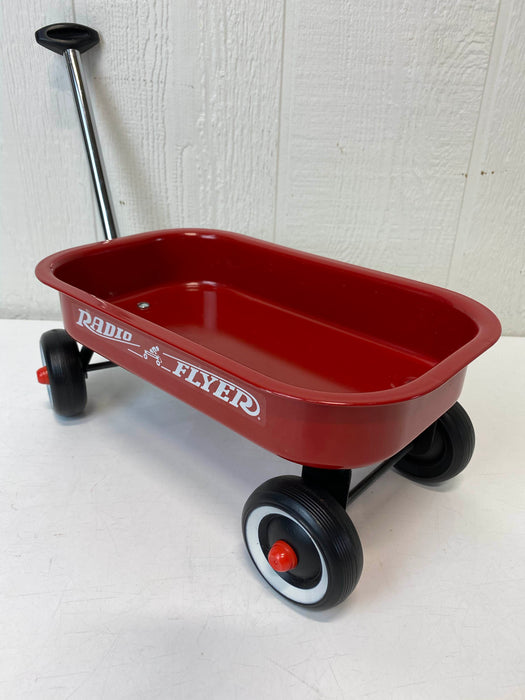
x=123 y=572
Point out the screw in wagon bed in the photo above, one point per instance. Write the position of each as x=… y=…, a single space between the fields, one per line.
x=143 y=305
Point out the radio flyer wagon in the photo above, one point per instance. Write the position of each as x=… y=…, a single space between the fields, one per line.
x=326 y=364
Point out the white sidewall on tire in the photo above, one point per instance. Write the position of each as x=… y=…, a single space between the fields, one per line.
x=305 y=596
x=48 y=387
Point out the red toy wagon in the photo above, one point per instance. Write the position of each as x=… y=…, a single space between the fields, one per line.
x=328 y=365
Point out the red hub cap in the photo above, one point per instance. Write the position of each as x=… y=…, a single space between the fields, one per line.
x=282 y=557
x=42 y=375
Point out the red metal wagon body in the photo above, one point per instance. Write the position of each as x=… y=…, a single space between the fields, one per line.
x=323 y=363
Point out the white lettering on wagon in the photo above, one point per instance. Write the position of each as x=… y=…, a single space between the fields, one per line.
x=103 y=328
x=218 y=387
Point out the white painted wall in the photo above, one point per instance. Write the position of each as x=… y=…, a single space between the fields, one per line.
x=386 y=133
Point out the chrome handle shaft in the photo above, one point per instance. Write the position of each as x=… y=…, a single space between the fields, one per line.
x=96 y=164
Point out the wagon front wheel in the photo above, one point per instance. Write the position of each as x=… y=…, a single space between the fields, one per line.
x=442 y=451
x=302 y=542
x=63 y=373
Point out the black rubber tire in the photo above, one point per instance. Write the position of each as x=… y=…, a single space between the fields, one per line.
x=318 y=529
x=67 y=378
x=447 y=455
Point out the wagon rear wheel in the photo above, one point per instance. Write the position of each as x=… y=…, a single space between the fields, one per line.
x=302 y=542
x=442 y=451
x=63 y=373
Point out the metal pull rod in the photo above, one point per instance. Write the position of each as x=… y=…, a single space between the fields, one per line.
x=96 y=164
x=71 y=40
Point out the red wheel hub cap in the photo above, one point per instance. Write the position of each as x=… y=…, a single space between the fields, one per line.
x=42 y=375
x=282 y=557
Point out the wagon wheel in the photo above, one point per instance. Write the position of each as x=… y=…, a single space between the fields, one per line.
x=63 y=373
x=302 y=542
x=442 y=451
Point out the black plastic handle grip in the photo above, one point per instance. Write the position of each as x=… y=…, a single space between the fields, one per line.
x=60 y=37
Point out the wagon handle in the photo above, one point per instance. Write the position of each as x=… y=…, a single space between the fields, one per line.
x=60 y=37
x=70 y=40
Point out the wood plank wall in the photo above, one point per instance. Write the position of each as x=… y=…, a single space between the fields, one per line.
x=385 y=133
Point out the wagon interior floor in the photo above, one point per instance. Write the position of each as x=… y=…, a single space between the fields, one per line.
x=278 y=342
